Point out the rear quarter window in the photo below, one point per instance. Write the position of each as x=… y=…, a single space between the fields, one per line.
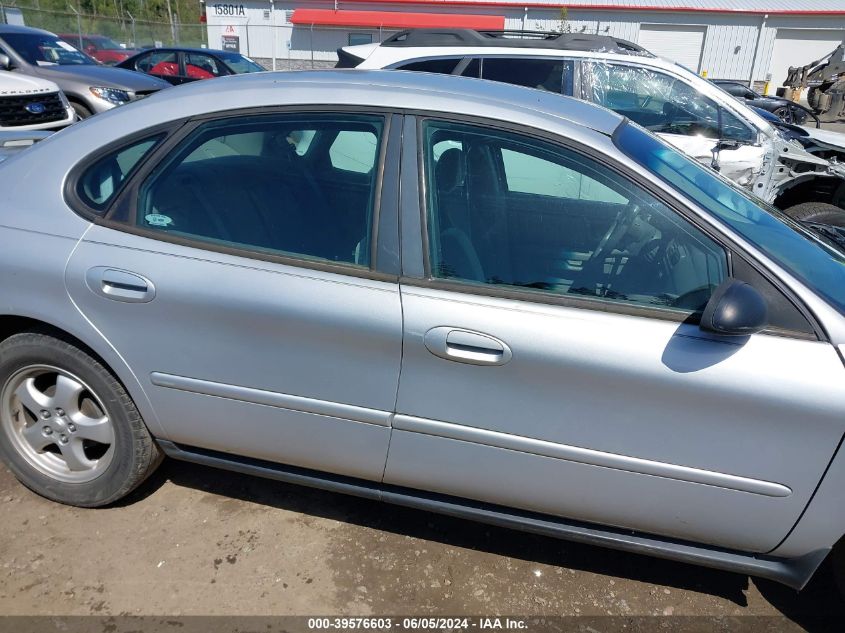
x=99 y=183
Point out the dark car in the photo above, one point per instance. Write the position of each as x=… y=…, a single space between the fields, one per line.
x=181 y=65
x=784 y=109
x=104 y=49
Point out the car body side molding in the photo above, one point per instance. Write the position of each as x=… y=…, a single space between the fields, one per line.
x=794 y=572
x=272 y=399
x=588 y=456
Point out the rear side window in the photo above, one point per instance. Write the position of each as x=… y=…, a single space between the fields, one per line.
x=99 y=184
x=301 y=185
x=544 y=74
x=440 y=66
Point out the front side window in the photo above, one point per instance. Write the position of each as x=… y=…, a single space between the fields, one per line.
x=289 y=184
x=509 y=210
x=200 y=66
x=162 y=63
x=661 y=103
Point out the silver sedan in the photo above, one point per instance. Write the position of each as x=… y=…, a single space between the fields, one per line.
x=469 y=297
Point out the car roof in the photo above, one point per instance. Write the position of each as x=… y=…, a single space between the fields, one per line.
x=514 y=39
x=185 y=49
x=415 y=91
x=370 y=90
x=14 y=28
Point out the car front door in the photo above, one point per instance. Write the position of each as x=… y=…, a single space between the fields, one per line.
x=244 y=291
x=552 y=360
x=678 y=113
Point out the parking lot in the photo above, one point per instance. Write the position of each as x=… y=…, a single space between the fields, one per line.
x=195 y=541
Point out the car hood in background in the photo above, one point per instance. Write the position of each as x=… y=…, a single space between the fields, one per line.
x=102 y=76
x=833 y=140
x=17 y=84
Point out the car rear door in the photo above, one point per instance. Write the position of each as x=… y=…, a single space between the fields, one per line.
x=251 y=305
x=552 y=360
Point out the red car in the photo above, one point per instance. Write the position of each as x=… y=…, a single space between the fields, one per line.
x=105 y=50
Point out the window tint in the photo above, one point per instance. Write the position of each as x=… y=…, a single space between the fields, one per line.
x=354 y=150
x=441 y=66
x=473 y=69
x=661 y=103
x=735 y=90
x=525 y=173
x=243 y=182
x=159 y=63
x=545 y=74
x=356 y=39
x=510 y=210
x=199 y=66
x=100 y=182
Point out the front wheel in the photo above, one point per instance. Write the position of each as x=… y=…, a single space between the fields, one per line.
x=82 y=112
x=68 y=429
x=790 y=115
x=818 y=213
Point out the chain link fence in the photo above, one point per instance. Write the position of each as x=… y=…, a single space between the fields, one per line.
x=274 y=46
x=127 y=32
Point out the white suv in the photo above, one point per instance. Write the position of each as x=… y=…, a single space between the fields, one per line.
x=686 y=110
x=30 y=103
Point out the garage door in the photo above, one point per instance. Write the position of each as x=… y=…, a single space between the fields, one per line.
x=797 y=47
x=682 y=44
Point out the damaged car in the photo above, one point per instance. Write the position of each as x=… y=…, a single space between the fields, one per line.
x=686 y=110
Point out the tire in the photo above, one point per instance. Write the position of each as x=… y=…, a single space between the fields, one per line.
x=819 y=212
x=82 y=112
x=788 y=115
x=68 y=429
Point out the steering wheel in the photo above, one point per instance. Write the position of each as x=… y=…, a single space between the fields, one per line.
x=618 y=230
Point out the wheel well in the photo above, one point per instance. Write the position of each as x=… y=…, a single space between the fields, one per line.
x=814 y=190
x=11 y=325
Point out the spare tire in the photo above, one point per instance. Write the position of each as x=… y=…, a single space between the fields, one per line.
x=817 y=212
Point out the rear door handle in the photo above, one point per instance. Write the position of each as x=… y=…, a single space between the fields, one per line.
x=466 y=346
x=120 y=285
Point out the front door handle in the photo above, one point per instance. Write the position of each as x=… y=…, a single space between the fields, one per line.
x=466 y=346
x=120 y=285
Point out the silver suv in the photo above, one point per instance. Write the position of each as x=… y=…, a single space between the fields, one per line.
x=686 y=110
x=457 y=295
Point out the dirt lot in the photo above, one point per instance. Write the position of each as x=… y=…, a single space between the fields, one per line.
x=199 y=541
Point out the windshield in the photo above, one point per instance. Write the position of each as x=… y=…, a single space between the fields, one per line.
x=239 y=63
x=45 y=50
x=815 y=261
x=106 y=44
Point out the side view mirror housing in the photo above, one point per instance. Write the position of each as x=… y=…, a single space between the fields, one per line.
x=735 y=309
x=5 y=62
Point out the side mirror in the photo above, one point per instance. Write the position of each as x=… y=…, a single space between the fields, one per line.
x=5 y=62
x=735 y=309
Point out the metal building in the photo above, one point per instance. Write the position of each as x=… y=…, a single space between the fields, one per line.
x=746 y=40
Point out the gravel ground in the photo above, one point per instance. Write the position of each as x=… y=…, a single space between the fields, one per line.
x=197 y=541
